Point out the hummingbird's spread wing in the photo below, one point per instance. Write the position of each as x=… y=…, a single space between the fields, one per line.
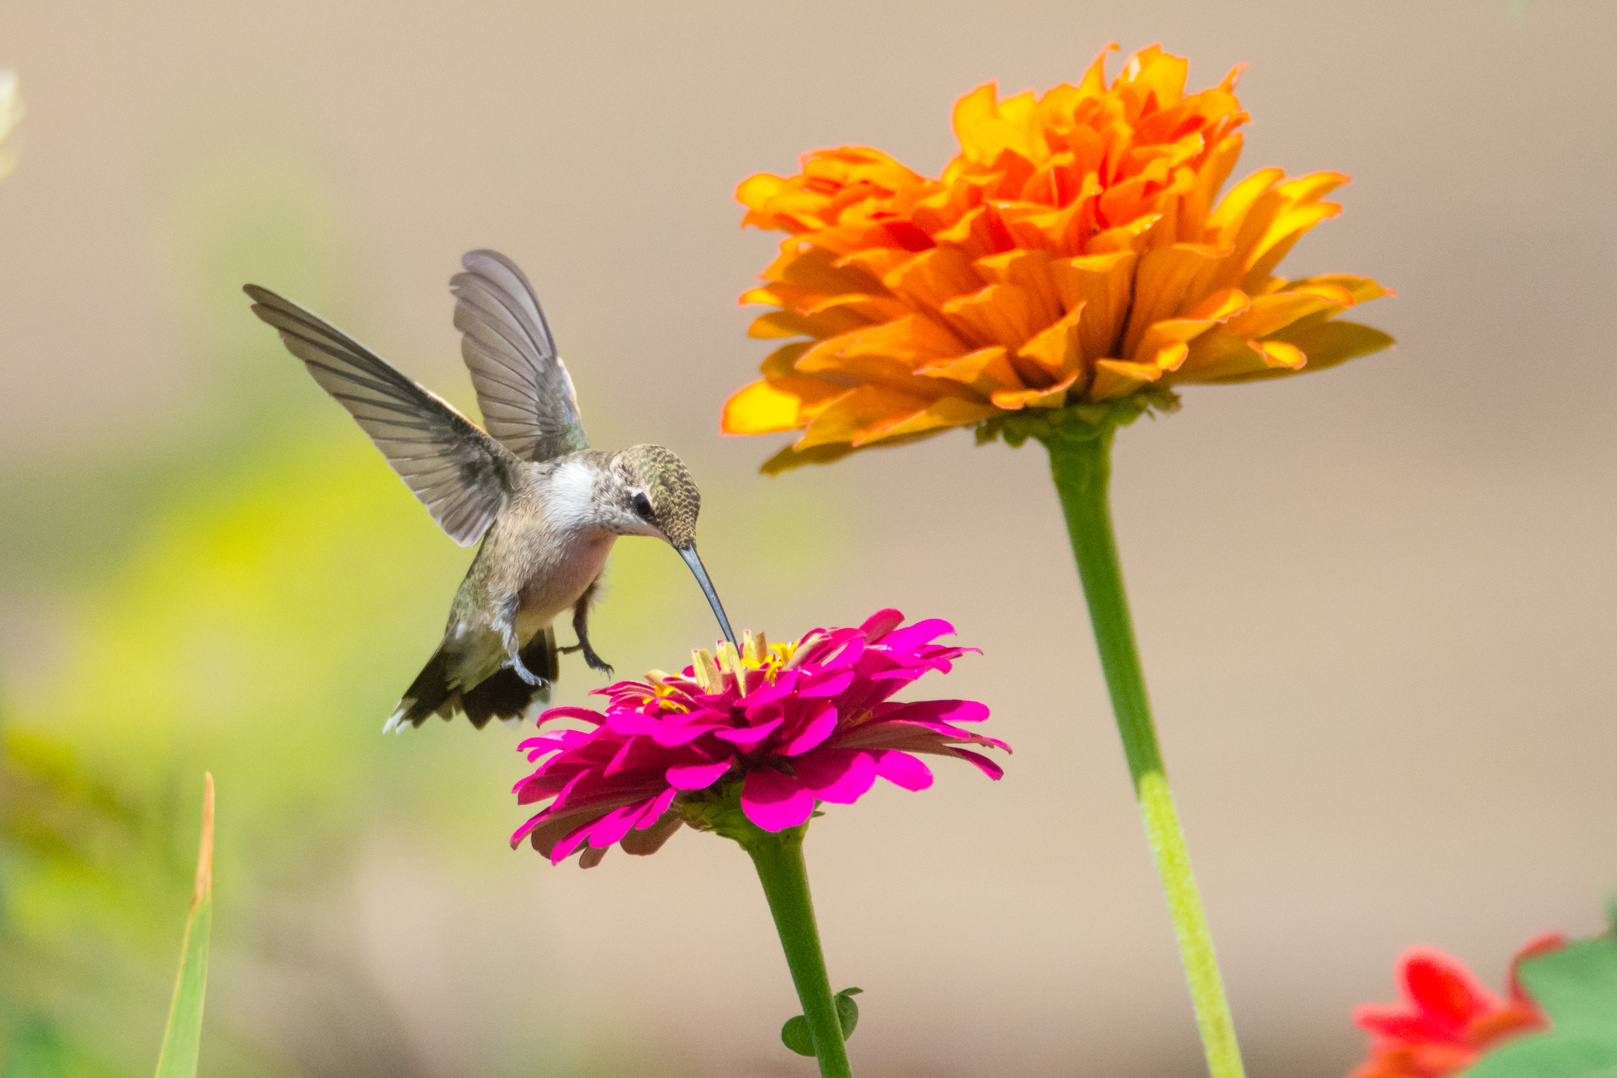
x=522 y=385
x=460 y=474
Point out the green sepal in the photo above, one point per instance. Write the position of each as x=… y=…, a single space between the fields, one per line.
x=795 y=1033
x=1576 y=986
x=1076 y=421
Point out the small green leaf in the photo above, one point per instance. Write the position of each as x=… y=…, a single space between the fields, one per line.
x=183 y=1038
x=795 y=1033
x=1576 y=986
x=796 y=1036
x=848 y=1010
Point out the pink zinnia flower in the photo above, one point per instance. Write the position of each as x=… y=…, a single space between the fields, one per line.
x=768 y=733
x=1447 y=1020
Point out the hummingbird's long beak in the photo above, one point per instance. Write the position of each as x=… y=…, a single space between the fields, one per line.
x=695 y=562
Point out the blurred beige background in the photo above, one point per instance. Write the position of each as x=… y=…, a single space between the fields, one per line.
x=1378 y=607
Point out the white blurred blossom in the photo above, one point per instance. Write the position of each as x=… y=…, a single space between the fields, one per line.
x=10 y=113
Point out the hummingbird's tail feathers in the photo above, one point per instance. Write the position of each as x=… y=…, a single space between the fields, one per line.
x=459 y=472
x=502 y=695
x=523 y=388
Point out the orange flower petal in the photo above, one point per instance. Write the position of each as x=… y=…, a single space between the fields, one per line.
x=985 y=128
x=1266 y=314
x=1029 y=271
x=1053 y=397
x=832 y=358
x=1057 y=349
x=1218 y=356
x=1361 y=289
x=875 y=411
x=1160 y=287
x=782 y=362
x=1333 y=342
x=1220 y=305
x=940 y=414
x=1171 y=334
x=1001 y=314
x=987 y=371
x=1118 y=378
x=1103 y=286
x=819 y=270
x=978 y=233
x=914 y=340
x=932 y=278
x=829 y=323
x=771 y=406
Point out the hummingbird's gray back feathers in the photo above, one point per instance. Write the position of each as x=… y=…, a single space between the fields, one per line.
x=673 y=494
x=460 y=474
x=523 y=387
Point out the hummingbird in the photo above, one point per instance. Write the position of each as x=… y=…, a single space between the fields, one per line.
x=544 y=505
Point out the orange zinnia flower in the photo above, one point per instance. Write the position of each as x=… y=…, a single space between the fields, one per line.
x=1074 y=253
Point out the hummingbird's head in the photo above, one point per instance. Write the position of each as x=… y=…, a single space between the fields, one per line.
x=660 y=497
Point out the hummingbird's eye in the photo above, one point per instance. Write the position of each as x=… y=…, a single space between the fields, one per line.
x=642 y=508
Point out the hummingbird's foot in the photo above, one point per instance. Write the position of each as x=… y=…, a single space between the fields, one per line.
x=515 y=663
x=595 y=661
x=581 y=620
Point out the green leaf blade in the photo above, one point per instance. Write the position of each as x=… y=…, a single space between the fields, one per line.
x=182 y=1040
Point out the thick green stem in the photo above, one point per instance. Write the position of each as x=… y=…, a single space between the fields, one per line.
x=1081 y=468
x=779 y=860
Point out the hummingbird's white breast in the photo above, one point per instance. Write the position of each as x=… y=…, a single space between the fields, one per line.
x=568 y=548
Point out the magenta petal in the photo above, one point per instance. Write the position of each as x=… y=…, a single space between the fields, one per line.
x=848 y=655
x=614 y=825
x=831 y=683
x=758 y=714
x=698 y=776
x=522 y=832
x=881 y=623
x=570 y=843
x=775 y=801
x=913 y=636
x=902 y=769
x=655 y=809
x=821 y=722
x=621 y=757
x=984 y=764
x=629 y=722
x=671 y=736
x=934 y=711
x=839 y=775
x=588 y=715
x=747 y=737
x=785 y=684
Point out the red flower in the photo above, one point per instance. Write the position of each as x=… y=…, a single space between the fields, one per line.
x=1448 y=1020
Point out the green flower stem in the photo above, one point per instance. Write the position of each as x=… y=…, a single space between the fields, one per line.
x=779 y=859
x=1082 y=467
